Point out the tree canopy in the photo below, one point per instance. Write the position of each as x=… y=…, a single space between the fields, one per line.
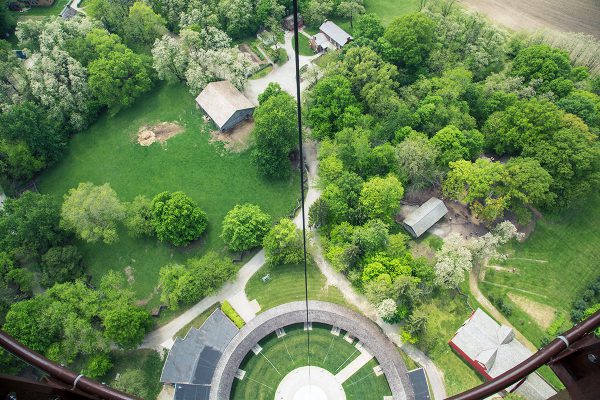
x=244 y=227
x=177 y=219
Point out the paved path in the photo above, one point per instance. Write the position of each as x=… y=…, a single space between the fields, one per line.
x=284 y=74
x=353 y=367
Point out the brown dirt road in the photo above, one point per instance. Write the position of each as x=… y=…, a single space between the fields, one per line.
x=562 y=15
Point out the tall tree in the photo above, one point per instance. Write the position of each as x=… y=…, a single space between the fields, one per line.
x=143 y=26
x=275 y=135
x=177 y=218
x=380 y=197
x=244 y=227
x=283 y=243
x=411 y=38
x=350 y=9
x=92 y=212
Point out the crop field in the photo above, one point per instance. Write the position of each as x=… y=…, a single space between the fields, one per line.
x=561 y=15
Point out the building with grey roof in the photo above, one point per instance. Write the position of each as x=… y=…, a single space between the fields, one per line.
x=191 y=362
x=492 y=349
x=68 y=12
x=336 y=35
x=224 y=104
x=424 y=217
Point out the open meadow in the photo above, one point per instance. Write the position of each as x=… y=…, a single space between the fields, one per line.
x=216 y=179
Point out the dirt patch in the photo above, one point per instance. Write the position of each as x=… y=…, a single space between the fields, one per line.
x=540 y=313
x=560 y=15
x=129 y=274
x=158 y=133
x=236 y=140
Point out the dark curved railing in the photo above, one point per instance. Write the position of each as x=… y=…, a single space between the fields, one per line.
x=74 y=383
x=71 y=381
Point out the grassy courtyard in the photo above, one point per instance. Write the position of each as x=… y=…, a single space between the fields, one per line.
x=281 y=356
x=217 y=180
x=287 y=284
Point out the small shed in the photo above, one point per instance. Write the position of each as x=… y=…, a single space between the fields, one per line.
x=288 y=22
x=424 y=217
x=336 y=35
x=68 y=12
x=224 y=104
x=320 y=43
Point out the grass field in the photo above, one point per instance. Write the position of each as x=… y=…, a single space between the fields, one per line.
x=287 y=284
x=281 y=356
x=54 y=9
x=305 y=49
x=553 y=265
x=388 y=10
x=216 y=179
x=148 y=361
x=445 y=314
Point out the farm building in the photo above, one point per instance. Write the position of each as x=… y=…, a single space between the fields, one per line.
x=424 y=217
x=334 y=35
x=224 y=104
x=492 y=349
x=288 y=22
x=191 y=362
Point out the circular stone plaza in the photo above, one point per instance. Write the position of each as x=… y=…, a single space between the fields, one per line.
x=337 y=355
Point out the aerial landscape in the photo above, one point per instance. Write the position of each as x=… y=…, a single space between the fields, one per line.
x=370 y=199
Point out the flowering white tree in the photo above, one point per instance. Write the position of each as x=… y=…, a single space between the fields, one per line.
x=169 y=61
x=387 y=309
x=453 y=260
x=458 y=255
x=58 y=82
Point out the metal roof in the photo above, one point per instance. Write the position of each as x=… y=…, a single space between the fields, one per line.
x=425 y=216
x=220 y=100
x=192 y=360
x=191 y=392
x=337 y=34
x=492 y=349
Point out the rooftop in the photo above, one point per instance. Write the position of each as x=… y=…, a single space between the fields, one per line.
x=425 y=216
x=220 y=100
x=337 y=34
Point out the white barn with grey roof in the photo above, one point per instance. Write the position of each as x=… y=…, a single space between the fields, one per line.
x=492 y=349
x=336 y=35
x=424 y=217
x=224 y=104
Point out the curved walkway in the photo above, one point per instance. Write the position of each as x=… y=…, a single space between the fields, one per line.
x=318 y=311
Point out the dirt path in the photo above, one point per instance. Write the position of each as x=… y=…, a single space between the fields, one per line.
x=562 y=15
x=490 y=309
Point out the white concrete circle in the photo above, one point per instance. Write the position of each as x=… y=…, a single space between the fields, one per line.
x=310 y=383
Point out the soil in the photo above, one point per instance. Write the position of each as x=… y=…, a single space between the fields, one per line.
x=244 y=48
x=540 y=313
x=560 y=15
x=158 y=133
x=236 y=140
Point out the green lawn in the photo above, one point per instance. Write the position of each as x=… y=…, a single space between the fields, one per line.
x=553 y=266
x=216 y=179
x=281 y=356
x=446 y=312
x=287 y=284
x=305 y=49
x=54 y=9
x=262 y=73
x=389 y=9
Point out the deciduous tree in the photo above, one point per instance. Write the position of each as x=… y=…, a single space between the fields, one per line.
x=177 y=219
x=244 y=227
x=380 y=197
x=92 y=212
x=283 y=243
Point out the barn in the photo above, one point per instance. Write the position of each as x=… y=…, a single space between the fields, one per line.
x=424 y=217
x=224 y=104
x=492 y=349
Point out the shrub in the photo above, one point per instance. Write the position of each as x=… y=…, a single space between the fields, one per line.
x=138 y=217
x=98 y=365
x=232 y=314
x=61 y=264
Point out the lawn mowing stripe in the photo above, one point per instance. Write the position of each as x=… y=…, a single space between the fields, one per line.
x=260 y=383
x=361 y=379
x=345 y=361
x=288 y=351
x=329 y=349
x=269 y=361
